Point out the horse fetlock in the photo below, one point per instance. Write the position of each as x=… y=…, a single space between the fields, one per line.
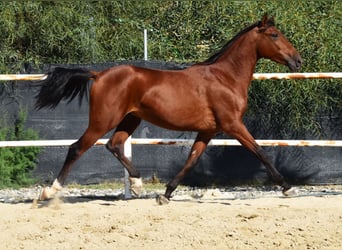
x=56 y=185
x=50 y=192
x=136 y=186
x=47 y=193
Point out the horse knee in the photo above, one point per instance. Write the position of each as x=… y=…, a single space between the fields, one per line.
x=109 y=147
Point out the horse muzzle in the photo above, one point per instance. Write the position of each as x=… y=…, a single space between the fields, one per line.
x=295 y=63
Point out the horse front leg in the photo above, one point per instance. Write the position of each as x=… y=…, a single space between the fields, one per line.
x=116 y=146
x=240 y=132
x=197 y=150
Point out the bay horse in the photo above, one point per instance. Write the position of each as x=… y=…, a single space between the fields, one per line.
x=209 y=97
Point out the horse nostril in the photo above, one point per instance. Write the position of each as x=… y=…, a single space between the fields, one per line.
x=299 y=62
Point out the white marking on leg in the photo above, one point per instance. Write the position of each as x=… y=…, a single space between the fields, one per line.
x=291 y=192
x=56 y=185
x=49 y=192
x=136 y=185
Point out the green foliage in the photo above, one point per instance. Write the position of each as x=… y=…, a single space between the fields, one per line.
x=16 y=163
x=43 y=32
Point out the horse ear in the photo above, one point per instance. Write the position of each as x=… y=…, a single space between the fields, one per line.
x=263 y=23
x=270 y=21
x=264 y=20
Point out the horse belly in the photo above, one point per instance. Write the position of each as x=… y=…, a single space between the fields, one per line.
x=181 y=119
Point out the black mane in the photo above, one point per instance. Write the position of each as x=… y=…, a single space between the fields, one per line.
x=218 y=54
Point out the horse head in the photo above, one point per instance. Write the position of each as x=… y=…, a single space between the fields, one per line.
x=273 y=45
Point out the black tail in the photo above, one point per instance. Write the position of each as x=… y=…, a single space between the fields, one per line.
x=62 y=83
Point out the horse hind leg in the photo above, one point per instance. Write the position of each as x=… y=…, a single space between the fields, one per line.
x=116 y=146
x=197 y=150
x=75 y=151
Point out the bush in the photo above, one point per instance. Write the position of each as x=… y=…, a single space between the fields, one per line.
x=17 y=163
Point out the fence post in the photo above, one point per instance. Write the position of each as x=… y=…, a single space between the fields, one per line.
x=128 y=154
x=145 y=45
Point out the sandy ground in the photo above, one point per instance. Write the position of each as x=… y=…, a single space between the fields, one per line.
x=309 y=222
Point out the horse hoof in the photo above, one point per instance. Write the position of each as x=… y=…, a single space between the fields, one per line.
x=162 y=200
x=290 y=192
x=136 y=186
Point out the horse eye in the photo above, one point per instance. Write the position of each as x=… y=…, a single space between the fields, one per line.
x=274 y=35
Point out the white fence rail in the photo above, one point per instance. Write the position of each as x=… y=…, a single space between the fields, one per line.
x=256 y=76
x=178 y=142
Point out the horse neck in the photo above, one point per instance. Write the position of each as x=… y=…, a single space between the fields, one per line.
x=239 y=60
